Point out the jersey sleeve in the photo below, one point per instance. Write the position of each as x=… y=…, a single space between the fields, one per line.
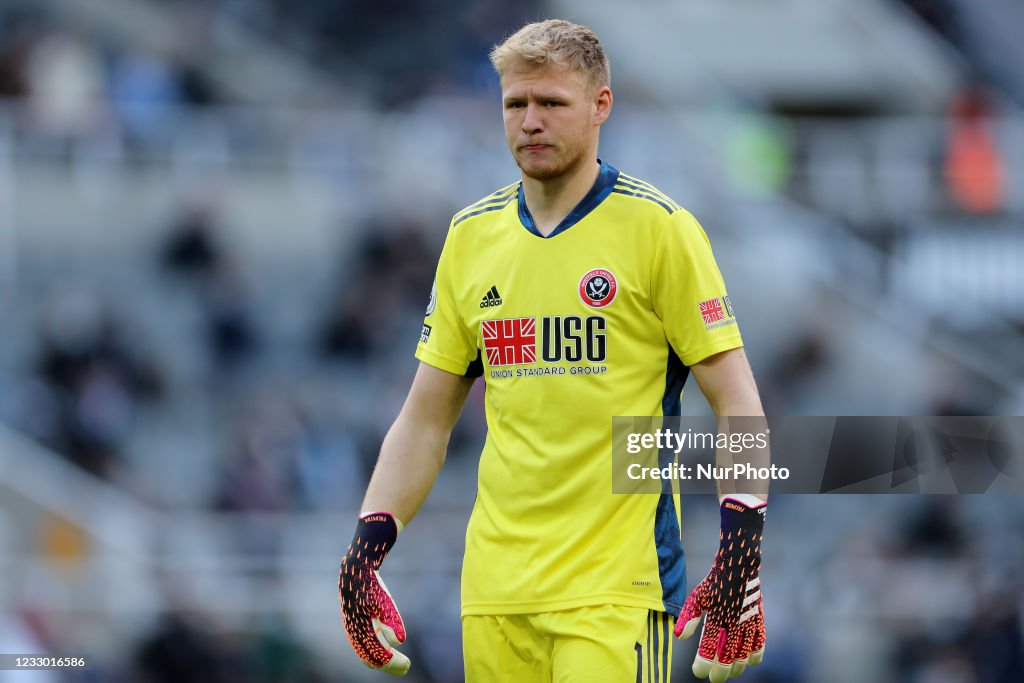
x=688 y=292
x=445 y=342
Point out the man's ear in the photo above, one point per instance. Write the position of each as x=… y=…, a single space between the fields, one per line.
x=602 y=104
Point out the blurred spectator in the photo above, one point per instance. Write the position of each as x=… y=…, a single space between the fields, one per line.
x=15 y=49
x=330 y=469
x=180 y=651
x=388 y=273
x=281 y=658
x=973 y=166
x=281 y=458
x=66 y=86
x=261 y=471
x=958 y=392
x=348 y=331
x=934 y=530
x=95 y=377
x=195 y=251
x=995 y=639
x=196 y=88
x=806 y=357
x=146 y=92
x=231 y=333
x=759 y=153
x=193 y=247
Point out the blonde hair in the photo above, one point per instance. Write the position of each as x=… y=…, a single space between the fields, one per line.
x=558 y=42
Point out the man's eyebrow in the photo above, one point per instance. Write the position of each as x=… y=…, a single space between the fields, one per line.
x=539 y=95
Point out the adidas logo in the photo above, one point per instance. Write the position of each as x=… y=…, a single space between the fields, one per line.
x=491 y=298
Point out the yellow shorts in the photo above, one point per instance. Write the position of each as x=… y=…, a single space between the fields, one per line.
x=600 y=644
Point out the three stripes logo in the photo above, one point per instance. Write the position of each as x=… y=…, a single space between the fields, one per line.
x=491 y=298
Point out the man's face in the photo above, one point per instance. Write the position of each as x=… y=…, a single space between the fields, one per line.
x=551 y=118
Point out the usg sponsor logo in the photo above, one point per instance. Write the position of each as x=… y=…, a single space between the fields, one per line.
x=574 y=338
x=513 y=341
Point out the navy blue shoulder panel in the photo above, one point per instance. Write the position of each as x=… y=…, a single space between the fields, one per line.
x=667 y=541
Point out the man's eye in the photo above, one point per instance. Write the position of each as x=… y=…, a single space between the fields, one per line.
x=515 y=105
x=552 y=103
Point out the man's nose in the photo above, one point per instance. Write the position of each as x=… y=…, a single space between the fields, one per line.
x=532 y=122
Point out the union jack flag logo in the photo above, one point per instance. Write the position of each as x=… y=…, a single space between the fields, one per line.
x=512 y=341
x=711 y=311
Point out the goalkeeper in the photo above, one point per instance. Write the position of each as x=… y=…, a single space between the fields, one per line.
x=578 y=292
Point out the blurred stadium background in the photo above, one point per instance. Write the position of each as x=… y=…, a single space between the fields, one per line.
x=219 y=221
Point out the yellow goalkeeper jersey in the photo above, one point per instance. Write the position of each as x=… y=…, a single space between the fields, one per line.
x=600 y=318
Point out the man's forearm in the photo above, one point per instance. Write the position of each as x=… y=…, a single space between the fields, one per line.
x=410 y=460
x=743 y=417
x=728 y=384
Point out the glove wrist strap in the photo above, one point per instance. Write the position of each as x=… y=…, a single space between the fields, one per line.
x=742 y=524
x=376 y=533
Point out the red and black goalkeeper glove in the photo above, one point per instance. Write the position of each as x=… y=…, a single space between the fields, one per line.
x=733 y=634
x=371 y=619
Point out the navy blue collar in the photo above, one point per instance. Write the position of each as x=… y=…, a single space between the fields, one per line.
x=602 y=188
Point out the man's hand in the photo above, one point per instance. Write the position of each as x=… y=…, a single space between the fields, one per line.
x=733 y=634
x=371 y=619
